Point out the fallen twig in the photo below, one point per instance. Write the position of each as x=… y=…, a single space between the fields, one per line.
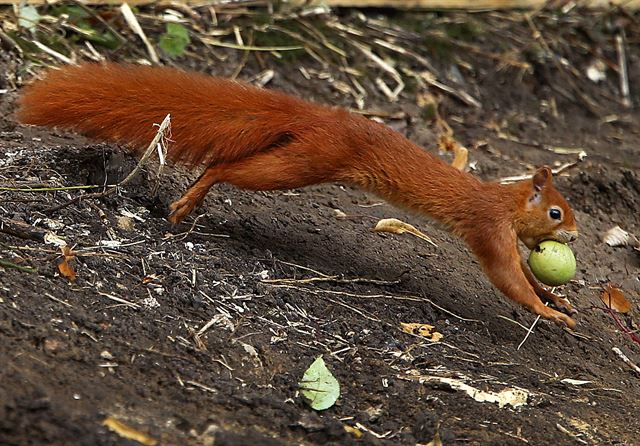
x=513 y=322
x=201 y=386
x=47 y=189
x=332 y=279
x=377 y=296
x=133 y=23
x=235 y=46
x=53 y=53
x=529 y=331
x=556 y=171
x=634 y=337
x=623 y=71
x=626 y=360
x=60 y=301
x=25 y=269
x=22 y=230
x=119 y=300
x=569 y=433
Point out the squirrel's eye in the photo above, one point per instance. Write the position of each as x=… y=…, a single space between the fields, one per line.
x=555 y=213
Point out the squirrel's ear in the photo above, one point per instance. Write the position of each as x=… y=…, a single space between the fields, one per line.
x=542 y=177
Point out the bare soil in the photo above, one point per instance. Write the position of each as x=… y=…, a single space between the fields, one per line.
x=124 y=339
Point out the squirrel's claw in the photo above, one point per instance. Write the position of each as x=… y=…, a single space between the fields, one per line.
x=560 y=318
x=559 y=302
x=180 y=209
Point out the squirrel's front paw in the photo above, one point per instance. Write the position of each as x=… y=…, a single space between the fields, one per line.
x=564 y=305
x=560 y=303
x=559 y=318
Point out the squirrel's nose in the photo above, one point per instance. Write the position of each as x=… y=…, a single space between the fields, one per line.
x=573 y=235
x=564 y=236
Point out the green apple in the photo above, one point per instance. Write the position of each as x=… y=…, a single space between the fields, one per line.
x=552 y=263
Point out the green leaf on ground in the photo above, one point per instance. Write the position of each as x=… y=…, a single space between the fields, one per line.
x=29 y=18
x=319 y=387
x=175 y=40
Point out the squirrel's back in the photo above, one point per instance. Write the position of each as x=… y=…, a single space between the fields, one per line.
x=213 y=119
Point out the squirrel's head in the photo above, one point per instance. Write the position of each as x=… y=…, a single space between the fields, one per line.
x=545 y=214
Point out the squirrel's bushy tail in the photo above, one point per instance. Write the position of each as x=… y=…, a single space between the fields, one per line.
x=213 y=120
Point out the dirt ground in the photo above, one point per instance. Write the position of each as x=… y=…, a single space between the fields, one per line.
x=178 y=332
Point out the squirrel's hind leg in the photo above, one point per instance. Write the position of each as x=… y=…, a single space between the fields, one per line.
x=194 y=196
x=288 y=167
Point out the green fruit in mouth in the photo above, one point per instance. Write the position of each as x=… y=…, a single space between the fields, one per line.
x=553 y=263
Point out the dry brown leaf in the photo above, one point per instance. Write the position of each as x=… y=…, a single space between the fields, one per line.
x=613 y=298
x=64 y=267
x=151 y=278
x=428 y=99
x=460 y=153
x=616 y=236
x=428 y=104
x=354 y=431
x=461 y=158
x=337 y=213
x=126 y=223
x=436 y=440
x=395 y=226
x=53 y=239
x=446 y=142
x=128 y=432
x=424 y=330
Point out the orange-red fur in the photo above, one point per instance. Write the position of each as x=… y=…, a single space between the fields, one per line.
x=263 y=140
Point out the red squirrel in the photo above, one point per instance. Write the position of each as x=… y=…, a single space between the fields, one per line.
x=260 y=139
